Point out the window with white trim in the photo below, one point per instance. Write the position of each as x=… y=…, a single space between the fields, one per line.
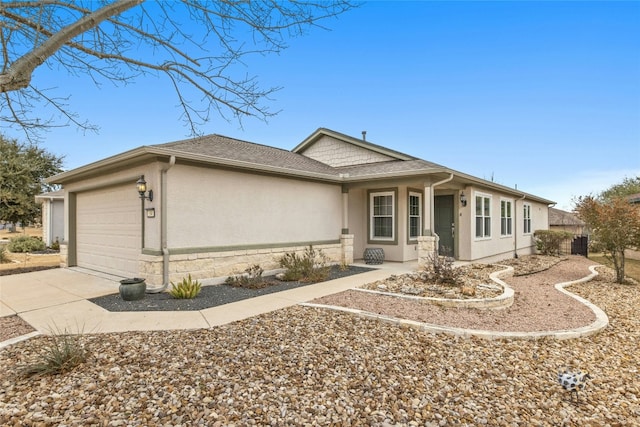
x=382 y=215
x=506 y=218
x=526 y=229
x=483 y=216
x=415 y=215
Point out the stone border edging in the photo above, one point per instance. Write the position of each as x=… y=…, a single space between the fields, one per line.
x=601 y=322
x=502 y=301
x=11 y=341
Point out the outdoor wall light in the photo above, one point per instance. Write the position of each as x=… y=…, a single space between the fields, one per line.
x=141 y=185
x=463 y=199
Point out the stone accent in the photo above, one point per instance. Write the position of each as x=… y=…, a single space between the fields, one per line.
x=346 y=242
x=64 y=255
x=209 y=265
x=427 y=245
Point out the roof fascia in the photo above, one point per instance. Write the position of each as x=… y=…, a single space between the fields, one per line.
x=152 y=152
x=90 y=168
x=314 y=137
x=502 y=188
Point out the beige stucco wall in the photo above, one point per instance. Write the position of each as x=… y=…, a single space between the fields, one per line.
x=401 y=251
x=218 y=208
x=498 y=247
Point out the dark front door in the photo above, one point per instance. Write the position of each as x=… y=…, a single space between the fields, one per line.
x=444 y=224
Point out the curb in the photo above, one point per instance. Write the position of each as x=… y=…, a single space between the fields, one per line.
x=12 y=341
x=601 y=322
x=502 y=301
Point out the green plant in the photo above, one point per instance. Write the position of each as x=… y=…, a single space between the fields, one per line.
x=187 y=289
x=3 y=254
x=440 y=269
x=55 y=245
x=26 y=244
x=548 y=241
x=311 y=266
x=61 y=353
x=251 y=278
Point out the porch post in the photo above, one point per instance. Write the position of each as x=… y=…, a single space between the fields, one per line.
x=427 y=209
x=345 y=210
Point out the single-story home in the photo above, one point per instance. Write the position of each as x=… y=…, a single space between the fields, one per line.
x=566 y=221
x=215 y=205
x=52 y=216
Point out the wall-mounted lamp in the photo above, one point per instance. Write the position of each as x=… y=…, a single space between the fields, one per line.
x=141 y=185
x=463 y=199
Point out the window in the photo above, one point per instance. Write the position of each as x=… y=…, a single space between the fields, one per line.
x=382 y=207
x=506 y=218
x=527 y=219
x=483 y=216
x=415 y=215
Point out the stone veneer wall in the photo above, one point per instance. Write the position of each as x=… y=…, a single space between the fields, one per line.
x=426 y=247
x=64 y=255
x=208 y=265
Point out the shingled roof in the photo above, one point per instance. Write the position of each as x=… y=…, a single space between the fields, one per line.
x=222 y=147
x=221 y=151
x=560 y=217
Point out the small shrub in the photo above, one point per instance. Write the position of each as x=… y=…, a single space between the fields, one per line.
x=55 y=245
x=62 y=352
x=3 y=254
x=252 y=278
x=26 y=244
x=440 y=269
x=308 y=267
x=548 y=241
x=187 y=289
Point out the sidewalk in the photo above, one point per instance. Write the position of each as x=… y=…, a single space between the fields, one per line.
x=57 y=300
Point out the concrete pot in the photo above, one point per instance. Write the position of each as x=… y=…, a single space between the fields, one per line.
x=132 y=289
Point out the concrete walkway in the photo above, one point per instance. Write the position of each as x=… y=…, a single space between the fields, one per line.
x=57 y=300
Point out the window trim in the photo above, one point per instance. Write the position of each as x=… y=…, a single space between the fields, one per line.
x=420 y=195
x=526 y=215
x=393 y=240
x=508 y=219
x=483 y=196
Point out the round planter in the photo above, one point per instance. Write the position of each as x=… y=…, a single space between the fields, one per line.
x=132 y=289
x=373 y=256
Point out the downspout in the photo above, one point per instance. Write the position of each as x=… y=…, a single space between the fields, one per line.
x=432 y=220
x=163 y=227
x=515 y=226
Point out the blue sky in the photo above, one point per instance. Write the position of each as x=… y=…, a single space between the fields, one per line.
x=544 y=96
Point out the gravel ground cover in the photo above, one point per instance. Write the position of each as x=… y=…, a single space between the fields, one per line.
x=13 y=326
x=537 y=305
x=309 y=366
x=210 y=296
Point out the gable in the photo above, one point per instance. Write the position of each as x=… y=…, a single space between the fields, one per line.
x=337 y=153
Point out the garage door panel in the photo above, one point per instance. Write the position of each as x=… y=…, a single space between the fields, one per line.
x=108 y=230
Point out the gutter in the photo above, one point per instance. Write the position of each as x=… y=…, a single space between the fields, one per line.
x=515 y=226
x=163 y=227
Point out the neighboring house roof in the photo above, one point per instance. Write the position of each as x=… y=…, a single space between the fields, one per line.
x=560 y=217
x=634 y=198
x=220 y=150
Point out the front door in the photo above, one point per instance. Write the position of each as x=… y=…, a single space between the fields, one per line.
x=444 y=224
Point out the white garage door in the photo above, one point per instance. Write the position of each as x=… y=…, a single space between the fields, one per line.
x=108 y=230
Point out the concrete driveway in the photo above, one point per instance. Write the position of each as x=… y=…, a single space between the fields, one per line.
x=57 y=300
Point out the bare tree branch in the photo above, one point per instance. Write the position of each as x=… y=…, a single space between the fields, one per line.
x=197 y=44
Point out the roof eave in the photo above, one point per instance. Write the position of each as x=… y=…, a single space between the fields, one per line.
x=140 y=152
